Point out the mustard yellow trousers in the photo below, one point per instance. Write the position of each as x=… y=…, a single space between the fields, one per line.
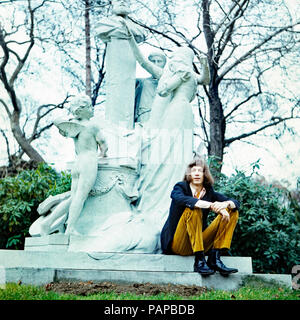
x=190 y=238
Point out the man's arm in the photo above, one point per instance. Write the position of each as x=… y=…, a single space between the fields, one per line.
x=222 y=202
x=202 y=204
x=179 y=195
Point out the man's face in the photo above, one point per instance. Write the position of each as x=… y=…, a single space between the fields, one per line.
x=120 y=7
x=158 y=60
x=197 y=175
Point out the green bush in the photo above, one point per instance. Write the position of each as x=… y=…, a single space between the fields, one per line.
x=19 y=198
x=267 y=229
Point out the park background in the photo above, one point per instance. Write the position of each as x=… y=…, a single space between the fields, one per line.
x=246 y=120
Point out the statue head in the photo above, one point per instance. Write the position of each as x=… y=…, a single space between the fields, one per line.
x=121 y=7
x=157 y=58
x=183 y=54
x=81 y=107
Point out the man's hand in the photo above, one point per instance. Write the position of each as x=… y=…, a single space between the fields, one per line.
x=218 y=206
x=225 y=215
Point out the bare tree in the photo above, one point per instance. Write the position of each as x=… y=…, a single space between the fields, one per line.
x=223 y=39
x=245 y=41
x=76 y=36
x=12 y=64
x=88 y=67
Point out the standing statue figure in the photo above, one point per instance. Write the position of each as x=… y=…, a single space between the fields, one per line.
x=120 y=64
x=171 y=127
x=87 y=137
x=146 y=89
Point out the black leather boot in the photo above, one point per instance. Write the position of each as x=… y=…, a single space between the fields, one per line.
x=214 y=262
x=200 y=265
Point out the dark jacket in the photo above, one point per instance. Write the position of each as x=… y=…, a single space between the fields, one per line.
x=182 y=198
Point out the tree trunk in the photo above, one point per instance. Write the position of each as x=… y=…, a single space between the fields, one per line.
x=217 y=124
x=217 y=120
x=88 y=81
x=22 y=141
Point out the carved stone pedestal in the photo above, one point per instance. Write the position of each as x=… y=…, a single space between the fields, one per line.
x=111 y=197
x=109 y=220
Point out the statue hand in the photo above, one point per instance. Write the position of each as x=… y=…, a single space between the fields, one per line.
x=203 y=61
x=124 y=23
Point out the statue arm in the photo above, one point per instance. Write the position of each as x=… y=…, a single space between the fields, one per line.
x=204 y=78
x=149 y=66
x=170 y=84
x=100 y=139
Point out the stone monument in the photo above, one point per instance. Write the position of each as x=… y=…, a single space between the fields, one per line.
x=146 y=89
x=122 y=176
x=120 y=64
x=119 y=200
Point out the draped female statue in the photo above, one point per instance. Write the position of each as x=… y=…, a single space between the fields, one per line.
x=170 y=128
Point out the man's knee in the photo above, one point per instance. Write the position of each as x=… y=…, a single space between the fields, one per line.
x=234 y=214
x=195 y=213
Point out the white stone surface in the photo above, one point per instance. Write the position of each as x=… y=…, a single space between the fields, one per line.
x=120 y=66
x=109 y=260
x=39 y=268
x=51 y=202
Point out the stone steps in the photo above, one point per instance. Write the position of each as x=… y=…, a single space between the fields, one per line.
x=38 y=268
x=112 y=261
x=42 y=276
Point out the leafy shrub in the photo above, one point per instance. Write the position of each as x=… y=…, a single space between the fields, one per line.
x=267 y=229
x=19 y=198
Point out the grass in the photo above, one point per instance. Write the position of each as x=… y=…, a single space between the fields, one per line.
x=252 y=290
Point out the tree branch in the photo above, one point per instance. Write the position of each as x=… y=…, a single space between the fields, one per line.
x=35 y=134
x=247 y=99
x=152 y=30
x=31 y=44
x=3 y=75
x=7 y=146
x=6 y=108
x=251 y=51
x=229 y=29
x=276 y=120
x=226 y=15
x=202 y=119
x=101 y=75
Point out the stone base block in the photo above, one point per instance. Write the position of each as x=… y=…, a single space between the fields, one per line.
x=39 y=268
x=111 y=261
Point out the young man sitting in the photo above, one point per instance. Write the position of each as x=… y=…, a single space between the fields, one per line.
x=186 y=232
